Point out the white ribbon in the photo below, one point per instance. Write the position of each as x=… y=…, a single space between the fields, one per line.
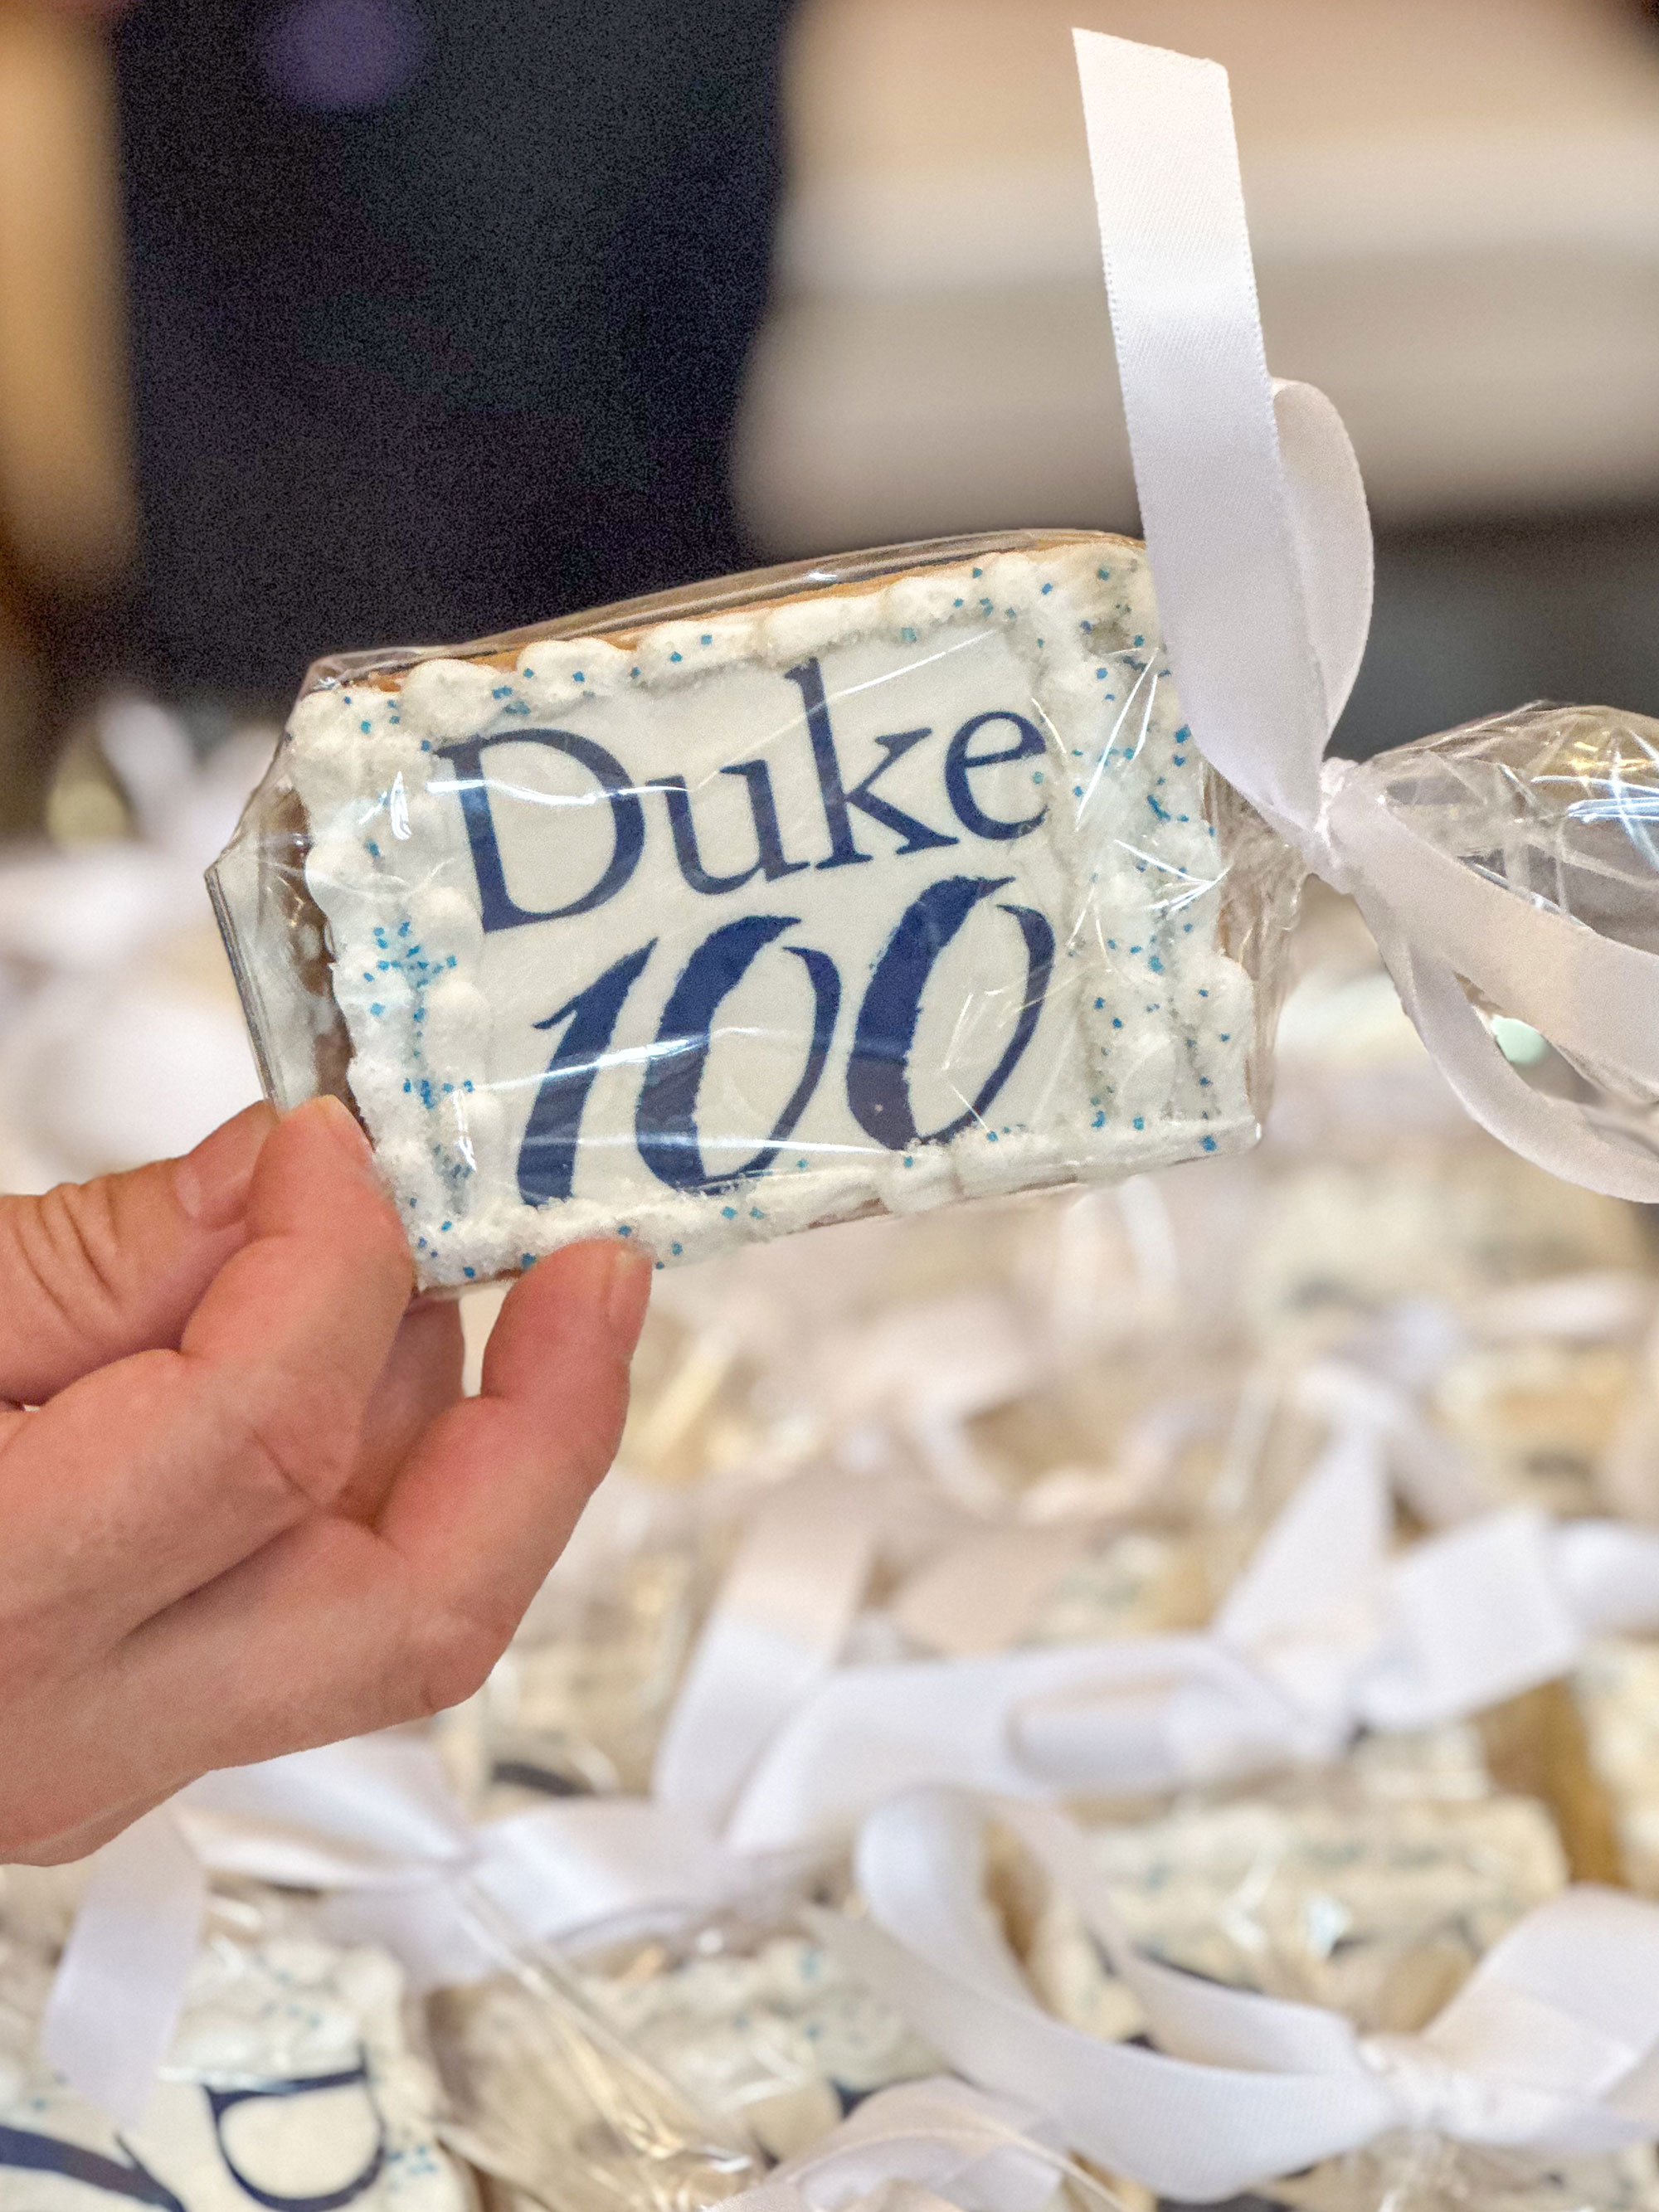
x=1550 y=2045
x=1259 y=547
x=763 y=1765
x=939 y=2142
x=1325 y=1634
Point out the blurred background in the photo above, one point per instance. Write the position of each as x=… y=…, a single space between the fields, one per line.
x=327 y=323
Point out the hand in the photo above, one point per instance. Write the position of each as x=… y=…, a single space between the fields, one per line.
x=252 y=1512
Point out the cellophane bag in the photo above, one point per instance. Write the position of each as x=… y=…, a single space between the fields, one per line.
x=827 y=890
x=1558 y=805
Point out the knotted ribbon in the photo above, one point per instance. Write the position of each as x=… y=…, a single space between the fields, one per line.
x=1259 y=547
x=1553 y=2043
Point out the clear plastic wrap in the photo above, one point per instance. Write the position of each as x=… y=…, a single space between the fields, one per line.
x=1559 y=804
x=805 y=894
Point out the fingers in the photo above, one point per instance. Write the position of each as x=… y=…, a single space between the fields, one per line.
x=488 y=1501
x=94 y=1271
x=152 y=1476
x=421 y=1380
x=333 y=1627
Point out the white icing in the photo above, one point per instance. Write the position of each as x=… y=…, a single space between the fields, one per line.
x=258 y=2019
x=1137 y=1055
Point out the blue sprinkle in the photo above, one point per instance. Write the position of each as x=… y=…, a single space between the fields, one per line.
x=364 y=727
x=1162 y=812
x=728 y=1213
x=1140 y=641
x=979 y=572
x=675 y=656
x=907 y=634
x=956 y=603
x=1203 y=1080
x=1077 y=790
x=1104 y=574
x=578 y=677
x=470 y=1272
x=908 y=1160
x=624 y=1229
x=1141 y=1121
x=1047 y=589
x=1099 y=1121
x=1117 y=1021
x=1100 y=1005
x=1209 y=1144
x=1226 y=1034
x=991 y=1136
x=1155 y=965
x=373 y=850
x=677 y=1249
x=377 y=1008
x=1100 y=674
x=1181 y=760
x=501 y=691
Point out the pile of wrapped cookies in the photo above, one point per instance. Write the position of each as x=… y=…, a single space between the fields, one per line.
x=1133 y=1693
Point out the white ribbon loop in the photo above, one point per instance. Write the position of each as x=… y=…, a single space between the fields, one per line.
x=1260 y=547
x=939 y=2142
x=1548 y=2046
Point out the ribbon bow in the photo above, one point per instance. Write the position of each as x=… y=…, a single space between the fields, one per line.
x=1552 y=2043
x=1326 y=1633
x=1260 y=546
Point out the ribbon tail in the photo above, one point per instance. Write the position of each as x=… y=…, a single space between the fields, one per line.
x=120 y=1983
x=1557 y=1135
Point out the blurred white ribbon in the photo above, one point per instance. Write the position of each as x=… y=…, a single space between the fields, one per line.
x=925 y=2143
x=1260 y=546
x=775 y=1751
x=374 y=1824
x=1552 y=2043
x=1325 y=1633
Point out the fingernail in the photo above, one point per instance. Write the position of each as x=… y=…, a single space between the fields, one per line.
x=211 y=1184
x=334 y=1115
x=629 y=1289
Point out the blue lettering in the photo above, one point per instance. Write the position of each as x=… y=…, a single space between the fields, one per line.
x=667 y=1123
x=499 y=909
x=844 y=852
x=878 y=1074
x=959 y=762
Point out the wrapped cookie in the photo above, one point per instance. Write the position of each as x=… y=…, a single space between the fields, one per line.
x=865 y=887
x=1520 y=2077
x=683 y=2065
x=292 y=2080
